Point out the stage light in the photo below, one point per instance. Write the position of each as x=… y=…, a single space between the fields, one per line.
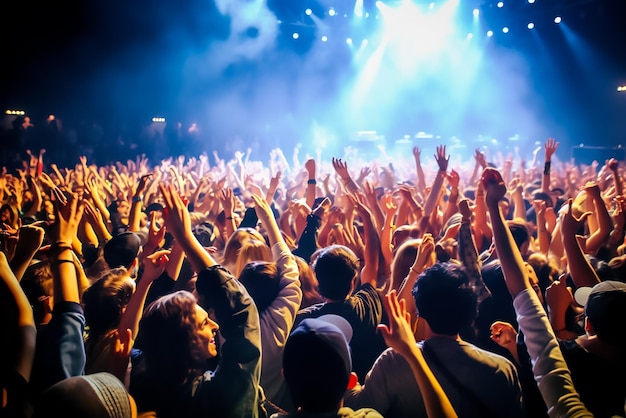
x=332 y=12
x=308 y=12
x=490 y=33
x=557 y=20
x=531 y=25
x=476 y=12
x=505 y=30
x=295 y=35
x=364 y=43
x=621 y=89
x=324 y=38
x=470 y=35
x=349 y=41
x=500 y=4
x=379 y=4
x=531 y=1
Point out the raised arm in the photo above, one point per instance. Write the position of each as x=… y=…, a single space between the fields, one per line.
x=178 y=223
x=19 y=328
x=549 y=368
x=421 y=179
x=433 y=196
x=550 y=148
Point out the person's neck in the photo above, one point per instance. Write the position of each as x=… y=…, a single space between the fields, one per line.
x=594 y=345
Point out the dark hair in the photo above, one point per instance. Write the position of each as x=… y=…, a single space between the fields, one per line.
x=444 y=298
x=168 y=339
x=37 y=283
x=335 y=269
x=262 y=281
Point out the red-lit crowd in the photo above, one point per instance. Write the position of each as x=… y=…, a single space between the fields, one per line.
x=219 y=286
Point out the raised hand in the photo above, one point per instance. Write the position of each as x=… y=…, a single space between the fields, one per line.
x=398 y=334
x=341 y=168
x=550 y=148
x=441 y=158
x=69 y=211
x=479 y=156
x=494 y=186
x=503 y=334
x=570 y=225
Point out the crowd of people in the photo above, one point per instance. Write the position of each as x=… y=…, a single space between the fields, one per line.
x=304 y=286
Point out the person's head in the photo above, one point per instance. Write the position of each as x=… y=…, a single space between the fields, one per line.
x=317 y=364
x=262 y=281
x=234 y=243
x=177 y=337
x=403 y=259
x=251 y=250
x=520 y=233
x=403 y=233
x=98 y=395
x=37 y=284
x=605 y=311
x=123 y=251
x=336 y=268
x=444 y=298
x=10 y=215
x=106 y=299
x=545 y=269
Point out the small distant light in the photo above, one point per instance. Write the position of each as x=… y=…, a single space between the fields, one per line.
x=505 y=30
x=349 y=41
x=295 y=35
x=324 y=38
x=431 y=5
x=367 y=14
x=531 y=25
x=308 y=12
x=531 y=1
x=476 y=12
x=332 y=12
x=557 y=20
x=621 y=88
x=470 y=35
x=490 y=33
x=379 y=3
x=364 y=42
x=500 y=4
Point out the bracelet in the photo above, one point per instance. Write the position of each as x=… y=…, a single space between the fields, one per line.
x=229 y=218
x=311 y=181
x=137 y=199
x=415 y=271
x=58 y=262
x=546 y=168
x=60 y=246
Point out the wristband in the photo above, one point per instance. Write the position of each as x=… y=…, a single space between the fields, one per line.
x=546 y=168
x=311 y=181
x=58 y=262
x=137 y=199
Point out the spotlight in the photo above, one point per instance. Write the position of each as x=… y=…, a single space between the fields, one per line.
x=505 y=30
x=332 y=12
x=295 y=35
x=476 y=12
x=308 y=12
x=500 y=4
x=557 y=20
x=364 y=43
x=349 y=41
x=470 y=35
x=531 y=25
x=324 y=38
x=531 y=1
x=490 y=33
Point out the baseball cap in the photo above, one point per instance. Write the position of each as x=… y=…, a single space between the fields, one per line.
x=122 y=249
x=605 y=308
x=317 y=362
x=98 y=395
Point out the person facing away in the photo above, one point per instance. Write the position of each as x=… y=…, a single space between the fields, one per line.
x=478 y=383
x=318 y=369
x=337 y=271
